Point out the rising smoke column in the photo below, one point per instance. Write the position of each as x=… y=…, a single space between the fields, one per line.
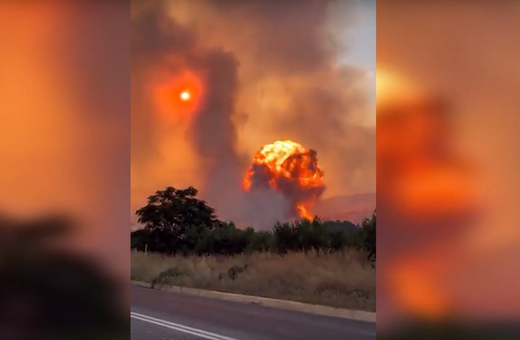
x=174 y=51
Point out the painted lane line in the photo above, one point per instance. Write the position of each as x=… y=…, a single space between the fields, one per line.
x=178 y=327
x=198 y=333
x=175 y=328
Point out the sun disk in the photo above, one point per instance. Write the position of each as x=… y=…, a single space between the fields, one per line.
x=185 y=95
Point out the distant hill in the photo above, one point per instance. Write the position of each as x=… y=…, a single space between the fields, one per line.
x=352 y=208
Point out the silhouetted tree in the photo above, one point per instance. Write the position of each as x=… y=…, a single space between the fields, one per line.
x=260 y=241
x=284 y=237
x=172 y=217
x=368 y=235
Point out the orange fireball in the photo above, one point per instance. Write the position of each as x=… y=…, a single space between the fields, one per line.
x=292 y=170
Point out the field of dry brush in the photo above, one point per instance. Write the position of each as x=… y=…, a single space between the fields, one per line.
x=337 y=279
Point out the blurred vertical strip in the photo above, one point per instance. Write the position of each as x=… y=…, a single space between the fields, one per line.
x=64 y=169
x=448 y=85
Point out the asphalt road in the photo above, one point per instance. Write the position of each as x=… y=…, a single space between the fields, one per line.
x=161 y=315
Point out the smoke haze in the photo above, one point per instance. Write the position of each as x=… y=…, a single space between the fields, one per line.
x=268 y=71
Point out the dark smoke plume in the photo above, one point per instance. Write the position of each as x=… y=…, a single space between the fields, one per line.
x=159 y=41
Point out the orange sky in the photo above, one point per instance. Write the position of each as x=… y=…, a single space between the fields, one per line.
x=290 y=85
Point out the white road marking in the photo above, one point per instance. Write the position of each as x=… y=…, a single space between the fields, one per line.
x=181 y=328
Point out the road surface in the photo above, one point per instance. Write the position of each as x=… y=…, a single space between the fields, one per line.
x=161 y=315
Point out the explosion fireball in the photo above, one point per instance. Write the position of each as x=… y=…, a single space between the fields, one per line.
x=290 y=169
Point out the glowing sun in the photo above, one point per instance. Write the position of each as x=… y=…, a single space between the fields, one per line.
x=185 y=95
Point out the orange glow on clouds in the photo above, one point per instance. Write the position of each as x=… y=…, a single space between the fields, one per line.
x=179 y=96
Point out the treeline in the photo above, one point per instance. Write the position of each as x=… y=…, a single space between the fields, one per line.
x=176 y=222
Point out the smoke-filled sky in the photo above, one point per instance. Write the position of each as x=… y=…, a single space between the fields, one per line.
x=260 y=71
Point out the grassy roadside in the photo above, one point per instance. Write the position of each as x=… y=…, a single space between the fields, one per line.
x=337 y=280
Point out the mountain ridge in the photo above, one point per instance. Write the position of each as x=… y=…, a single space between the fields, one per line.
x=353 y=208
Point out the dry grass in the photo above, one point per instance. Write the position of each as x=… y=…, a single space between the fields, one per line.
x=339 y=280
